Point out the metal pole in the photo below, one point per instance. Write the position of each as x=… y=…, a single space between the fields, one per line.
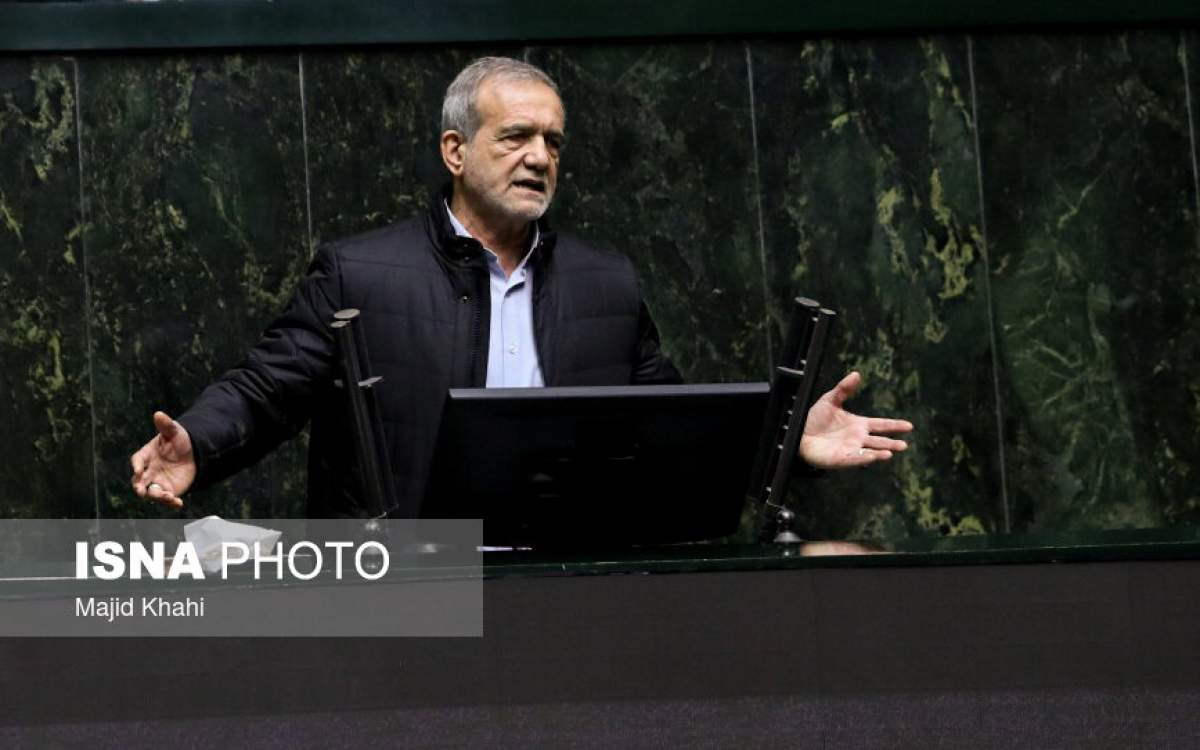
x=792 y=387
x=374 y=468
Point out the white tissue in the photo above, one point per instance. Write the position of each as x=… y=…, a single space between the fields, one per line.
x=207 y=534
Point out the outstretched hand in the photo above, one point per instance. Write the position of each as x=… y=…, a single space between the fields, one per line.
x=165 y=467
x=836 y=439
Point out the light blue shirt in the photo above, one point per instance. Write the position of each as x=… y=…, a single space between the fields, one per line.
x=512 y=351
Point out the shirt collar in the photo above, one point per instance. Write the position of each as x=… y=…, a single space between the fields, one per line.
x=461 y=231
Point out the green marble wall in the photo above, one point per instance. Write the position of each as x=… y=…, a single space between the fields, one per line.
x=1093 y=233
x=868 y=177
x=1007 y=224
x=194 y=191
x=45 y=387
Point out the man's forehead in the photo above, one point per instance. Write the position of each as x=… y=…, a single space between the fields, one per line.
x=506 y=97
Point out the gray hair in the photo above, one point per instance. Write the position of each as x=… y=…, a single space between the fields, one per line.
x=458 y=108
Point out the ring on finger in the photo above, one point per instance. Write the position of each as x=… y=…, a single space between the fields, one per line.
x=153 y=486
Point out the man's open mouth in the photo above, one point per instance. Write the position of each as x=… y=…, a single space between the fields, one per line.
x=537 y=185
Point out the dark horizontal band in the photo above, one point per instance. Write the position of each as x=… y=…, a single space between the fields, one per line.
x=72 y=26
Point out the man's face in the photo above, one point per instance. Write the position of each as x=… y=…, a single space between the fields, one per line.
x=510 y=166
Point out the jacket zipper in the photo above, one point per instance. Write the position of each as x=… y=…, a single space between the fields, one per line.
x=475 y=333
x=539 y=334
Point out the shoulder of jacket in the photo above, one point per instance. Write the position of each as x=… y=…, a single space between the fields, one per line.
x=576 y=253
x=395 y=244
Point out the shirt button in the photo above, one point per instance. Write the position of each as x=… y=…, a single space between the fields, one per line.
x=512 y=348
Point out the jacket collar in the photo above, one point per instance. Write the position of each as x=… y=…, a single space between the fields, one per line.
x=459 y=248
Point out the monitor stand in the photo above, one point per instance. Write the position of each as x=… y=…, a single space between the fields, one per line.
x=792 y=387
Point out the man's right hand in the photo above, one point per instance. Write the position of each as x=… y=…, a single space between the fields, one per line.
x=164 y=468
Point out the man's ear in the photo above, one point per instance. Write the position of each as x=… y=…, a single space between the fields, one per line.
x=452 y=146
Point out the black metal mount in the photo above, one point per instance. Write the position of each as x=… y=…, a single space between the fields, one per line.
x=370 y=446
x=792 y=386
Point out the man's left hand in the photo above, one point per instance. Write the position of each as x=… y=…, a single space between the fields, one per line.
x=836 y=439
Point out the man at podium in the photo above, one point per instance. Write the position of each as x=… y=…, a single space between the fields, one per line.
x=478 y=291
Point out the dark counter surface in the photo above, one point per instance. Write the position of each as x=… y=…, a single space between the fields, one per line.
x=1181 y=543
x=1082 y=546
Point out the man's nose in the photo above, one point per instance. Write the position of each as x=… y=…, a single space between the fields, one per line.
x=537 y=154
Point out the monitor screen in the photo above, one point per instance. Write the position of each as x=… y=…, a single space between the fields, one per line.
x=599 y=465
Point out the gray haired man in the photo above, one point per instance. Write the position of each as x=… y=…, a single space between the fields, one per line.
x=476 y=292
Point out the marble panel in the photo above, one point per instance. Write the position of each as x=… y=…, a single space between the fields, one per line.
x=1092 y=212
x=659 y=163
x=45 y=393
x=870 y=203
x=373 y=124
x=1183 y=507
x=194 y=177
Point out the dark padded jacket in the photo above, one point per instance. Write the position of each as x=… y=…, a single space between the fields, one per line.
x=424 y=294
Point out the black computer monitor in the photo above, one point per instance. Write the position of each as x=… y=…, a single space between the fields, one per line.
x=574 y=466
